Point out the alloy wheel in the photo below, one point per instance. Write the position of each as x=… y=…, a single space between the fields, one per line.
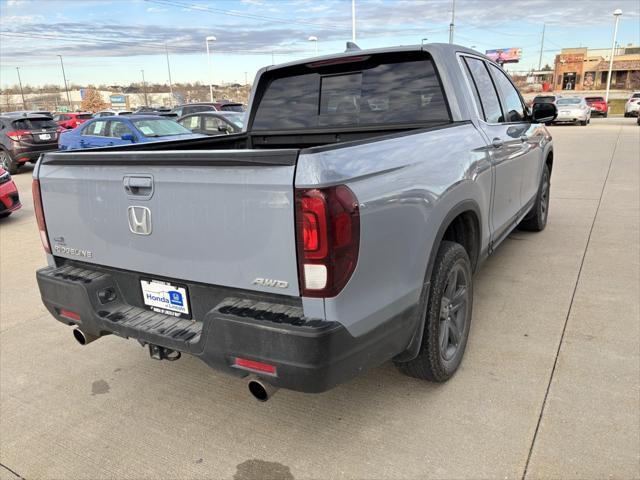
x=454 y=312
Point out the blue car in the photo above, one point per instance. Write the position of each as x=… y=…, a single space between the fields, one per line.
x=119 y=130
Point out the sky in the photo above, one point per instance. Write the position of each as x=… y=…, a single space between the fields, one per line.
x=110 y=42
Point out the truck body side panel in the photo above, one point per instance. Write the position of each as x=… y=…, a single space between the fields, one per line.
x=406 y=186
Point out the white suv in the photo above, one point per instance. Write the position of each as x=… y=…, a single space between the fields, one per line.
x=633 y=105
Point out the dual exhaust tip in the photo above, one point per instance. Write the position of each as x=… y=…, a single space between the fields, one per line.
x=261 y=390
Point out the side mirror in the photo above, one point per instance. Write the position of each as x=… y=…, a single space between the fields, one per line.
x=544 y=112
x=128 y=137
x=224 y=129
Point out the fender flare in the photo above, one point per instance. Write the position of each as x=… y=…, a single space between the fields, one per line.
x=413 y=348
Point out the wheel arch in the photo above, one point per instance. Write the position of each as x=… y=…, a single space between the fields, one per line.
x=466 y=212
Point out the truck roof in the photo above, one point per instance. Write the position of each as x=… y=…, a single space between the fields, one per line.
x=436 y=48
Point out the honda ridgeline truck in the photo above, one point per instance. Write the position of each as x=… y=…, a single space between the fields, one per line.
x=339 y=231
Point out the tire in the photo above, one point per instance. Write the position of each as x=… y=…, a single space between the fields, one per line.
x=8 y=163
x=447 y=317
x=583 y=123
x=5 y=214
x=536 y=219
x=605 y=115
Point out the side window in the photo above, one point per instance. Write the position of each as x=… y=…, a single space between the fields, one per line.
x=513 y=105
x=97 y=128
x=474 y=89
x=211 y=124
x=192 y=123
x=486 y=90
x=118 y=129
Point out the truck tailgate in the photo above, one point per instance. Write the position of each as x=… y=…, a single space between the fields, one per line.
x=218 y=217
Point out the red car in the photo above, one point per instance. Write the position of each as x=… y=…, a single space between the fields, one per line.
x=9 y=199
x=598 y=106
x=71 y=119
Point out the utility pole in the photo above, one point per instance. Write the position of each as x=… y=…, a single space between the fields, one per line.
x=144 y=87
x=453 y=20
x=245 y=79
x=24 y=104
x=166 y=49
x=64 y=77
x=353 y=20
x=544 y=26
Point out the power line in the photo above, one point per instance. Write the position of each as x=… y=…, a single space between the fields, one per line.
x=233 y=13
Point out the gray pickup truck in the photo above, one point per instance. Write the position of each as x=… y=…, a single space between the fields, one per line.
x=339 y=231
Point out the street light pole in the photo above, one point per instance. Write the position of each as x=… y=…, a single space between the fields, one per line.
x=24 y=104
x=314 y=39
x=210 y=38
x=453 y=18
x=166 y=49
x=616 y=13
x=64 y=77
x=144 y=89
x=353 y=20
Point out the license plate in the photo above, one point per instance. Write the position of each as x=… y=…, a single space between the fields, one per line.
x=565 y=112
x=164 y=297
x=45 y=136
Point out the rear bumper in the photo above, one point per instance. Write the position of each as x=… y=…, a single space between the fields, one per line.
x=309 y=355
x=31 y=153
x=9 y=198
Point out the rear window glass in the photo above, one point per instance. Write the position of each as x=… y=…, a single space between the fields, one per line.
x=84 y=116
x=34 y=124
x=594 y=99
x=635 y=95
x=197 y=108
x=232 y=108
x=398 y=89
x=544 y=99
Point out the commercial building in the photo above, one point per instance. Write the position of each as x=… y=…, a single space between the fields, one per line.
x=587 y=69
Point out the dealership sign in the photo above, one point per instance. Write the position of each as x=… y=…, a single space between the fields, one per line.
x=505 y=55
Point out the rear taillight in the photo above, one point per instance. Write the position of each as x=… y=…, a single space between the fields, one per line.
x=18 y=134
x=42 y=226
x=328 y=238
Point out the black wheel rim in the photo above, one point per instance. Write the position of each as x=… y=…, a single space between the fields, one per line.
x=453 y=312
x=544 y=197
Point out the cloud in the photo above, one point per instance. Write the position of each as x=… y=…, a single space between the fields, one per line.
x=20 y=19
x=156 y=10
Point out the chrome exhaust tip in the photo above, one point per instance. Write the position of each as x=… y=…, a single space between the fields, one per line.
x=83 y=338
x=261 y=391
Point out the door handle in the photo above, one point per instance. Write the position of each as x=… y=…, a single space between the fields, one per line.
x=497 y=142
x=138 y=185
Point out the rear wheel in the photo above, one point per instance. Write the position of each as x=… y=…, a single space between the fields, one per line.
x=605 y=115
x=536 y=219
x=583 y=123
x=448 y=317
x=5 y=214
x=8 y=163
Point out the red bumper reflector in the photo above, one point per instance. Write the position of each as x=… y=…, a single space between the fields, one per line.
x=69 y=314
x=255 y=366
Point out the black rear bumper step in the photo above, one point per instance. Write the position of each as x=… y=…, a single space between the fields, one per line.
x=310 y=355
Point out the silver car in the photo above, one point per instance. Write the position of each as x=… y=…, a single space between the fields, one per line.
x=573 y=110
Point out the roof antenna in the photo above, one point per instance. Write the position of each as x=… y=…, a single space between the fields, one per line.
x=352 y=47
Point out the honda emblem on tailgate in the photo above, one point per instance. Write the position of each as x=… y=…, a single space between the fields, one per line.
x=139 y=220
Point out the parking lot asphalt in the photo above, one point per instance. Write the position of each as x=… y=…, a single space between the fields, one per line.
x=549 y=387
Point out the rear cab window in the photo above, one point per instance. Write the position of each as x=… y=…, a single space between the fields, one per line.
x=369 y=90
